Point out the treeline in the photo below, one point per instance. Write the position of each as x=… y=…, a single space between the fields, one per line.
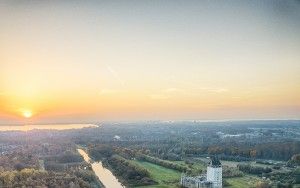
x=285 y=177
x=133 y=174
x=163 y=163
x=66 y=157
x=227 y=157
x=274 y=150
x=18 y=160
x=100 y=151
x=230 y=172
x=253 y=169
x=294 y=161
x=59 y=162
x=37 y=178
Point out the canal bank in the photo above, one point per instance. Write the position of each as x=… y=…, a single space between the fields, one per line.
x=105 y=175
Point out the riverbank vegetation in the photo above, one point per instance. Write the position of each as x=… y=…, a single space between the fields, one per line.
x=128 y=173
x=131 y=173
x=38 y=178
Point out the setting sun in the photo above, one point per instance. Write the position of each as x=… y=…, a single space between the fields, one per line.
x=27 y=114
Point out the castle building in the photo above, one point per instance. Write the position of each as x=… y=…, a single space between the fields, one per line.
x=213 y=178
x=214 y=172
x=195 y=182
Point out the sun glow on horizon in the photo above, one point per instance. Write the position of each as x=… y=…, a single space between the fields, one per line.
x=142 y=61
x=27 y=114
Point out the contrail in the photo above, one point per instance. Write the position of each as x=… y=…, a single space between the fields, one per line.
x=115 y=74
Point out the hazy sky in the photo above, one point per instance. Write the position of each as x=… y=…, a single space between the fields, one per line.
x=129 y=60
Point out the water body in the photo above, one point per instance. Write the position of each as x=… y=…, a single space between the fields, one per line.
x=105 y=175
x=48 y=127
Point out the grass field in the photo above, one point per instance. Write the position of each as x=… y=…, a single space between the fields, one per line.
x=168 y=178
x=246 y=181
x=164 y=176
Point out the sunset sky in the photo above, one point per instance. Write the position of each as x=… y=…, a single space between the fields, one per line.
x=79 y=61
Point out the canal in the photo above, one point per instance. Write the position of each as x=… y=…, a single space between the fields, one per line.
x=104 y=174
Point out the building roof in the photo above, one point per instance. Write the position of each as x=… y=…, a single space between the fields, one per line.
x=215 y=162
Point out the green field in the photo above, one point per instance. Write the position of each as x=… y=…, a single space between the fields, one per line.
x=164 y=176
x=246 y=181
x=168 y=178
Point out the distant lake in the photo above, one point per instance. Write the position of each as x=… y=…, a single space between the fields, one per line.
x=50 y=126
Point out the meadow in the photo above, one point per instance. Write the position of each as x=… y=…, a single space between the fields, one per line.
x=168 y=178
x=164 y=176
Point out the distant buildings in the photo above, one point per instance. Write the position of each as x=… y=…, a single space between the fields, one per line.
x=7 y=148
x=117 y=138
x=213 y=178
x=252 y=135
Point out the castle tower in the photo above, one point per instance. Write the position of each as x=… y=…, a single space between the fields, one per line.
x=214 y=172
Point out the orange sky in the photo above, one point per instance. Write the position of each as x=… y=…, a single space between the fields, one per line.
x=73 y=62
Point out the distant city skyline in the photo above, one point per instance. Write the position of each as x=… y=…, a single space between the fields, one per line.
x=72 y=61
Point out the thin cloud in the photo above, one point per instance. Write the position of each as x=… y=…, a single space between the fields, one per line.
x=115 y=74
x=172 y=90
x=166 y=93
x=195 y=86
x=214 y=90
x=107 y=91
x=158 y=96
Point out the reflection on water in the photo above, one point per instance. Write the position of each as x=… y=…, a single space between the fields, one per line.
x=105 y=176
x=52 y=127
